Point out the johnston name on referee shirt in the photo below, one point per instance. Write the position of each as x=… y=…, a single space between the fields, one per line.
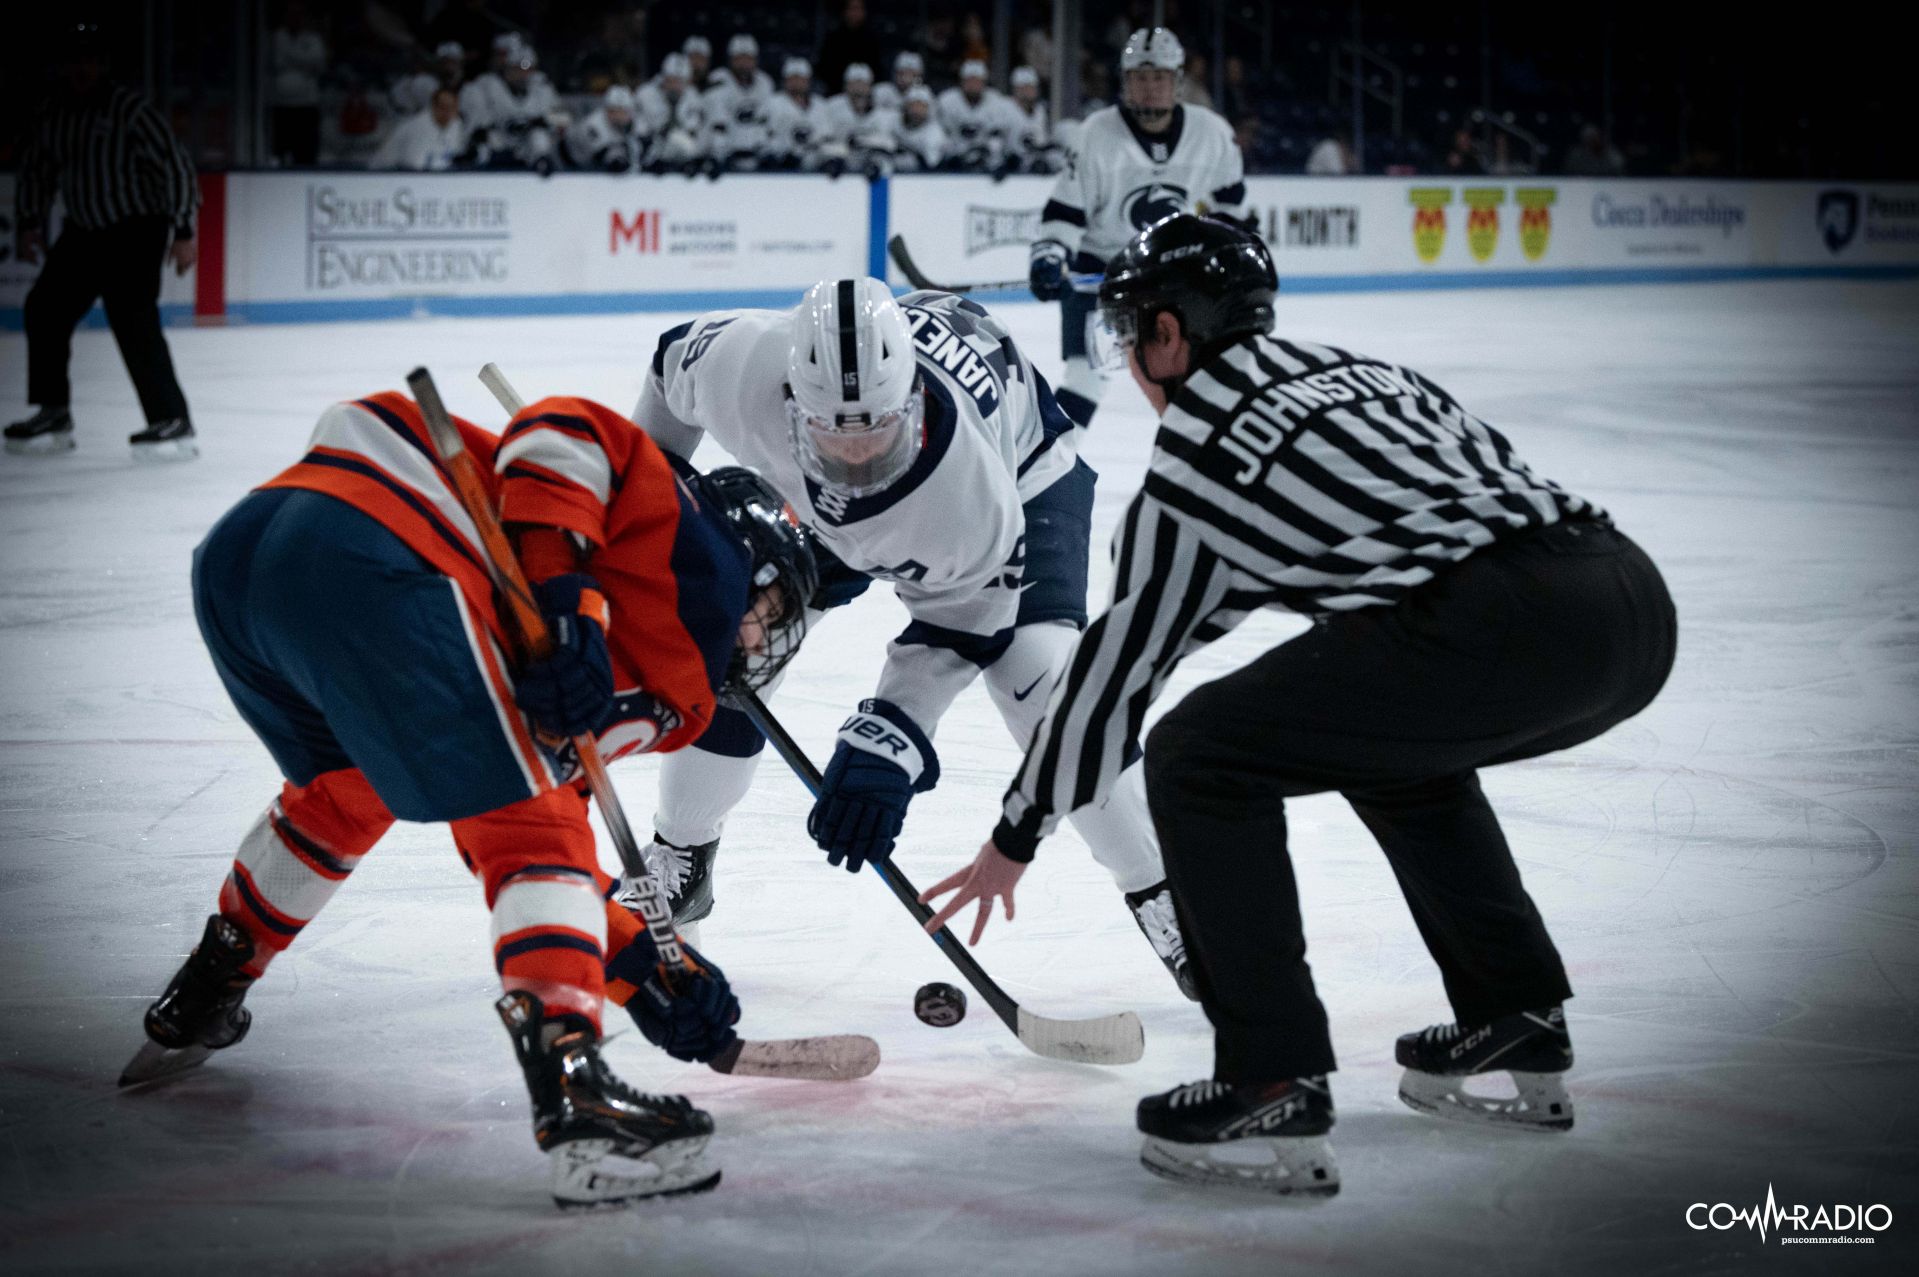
x=1284 y=474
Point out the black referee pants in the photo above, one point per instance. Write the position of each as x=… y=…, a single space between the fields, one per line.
x=1526 y=647
x=120 y=266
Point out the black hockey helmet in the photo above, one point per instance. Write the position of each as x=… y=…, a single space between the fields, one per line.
x=1213 y=274
x=782 y=555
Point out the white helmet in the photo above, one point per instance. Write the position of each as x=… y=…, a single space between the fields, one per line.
x=675 y=66
x=742 y=45
x=796 y=66
x=853 y=398
x=1153 y=47
x=697 y=44
x=618 y=98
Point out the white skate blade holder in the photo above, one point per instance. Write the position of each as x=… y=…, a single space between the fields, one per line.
x=588 y=1173
x=160 y=453
x=47 y=445
x=153 y=1062
x=1539 y=1101
x=1297 y=1166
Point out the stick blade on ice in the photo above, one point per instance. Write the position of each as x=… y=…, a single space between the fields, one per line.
x=1106 y=1039
x=840 y=1057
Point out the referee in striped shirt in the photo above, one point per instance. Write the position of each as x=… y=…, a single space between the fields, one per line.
x=130 y=196
x=1467 y=612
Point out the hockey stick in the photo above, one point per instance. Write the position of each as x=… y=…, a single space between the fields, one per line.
x=841 y=1056
x=896 y=249
x=1106 y=1039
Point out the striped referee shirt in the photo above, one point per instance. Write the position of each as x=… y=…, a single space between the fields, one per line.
x=112 y=156
x=1284 y=474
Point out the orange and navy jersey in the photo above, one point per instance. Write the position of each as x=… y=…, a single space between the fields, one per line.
x=675 y=578
x=376 y=455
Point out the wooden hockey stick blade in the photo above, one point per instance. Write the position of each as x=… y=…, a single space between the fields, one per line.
x=153 y=1062
x=840 y=1057
x=896 y=249
x=1106 y=1039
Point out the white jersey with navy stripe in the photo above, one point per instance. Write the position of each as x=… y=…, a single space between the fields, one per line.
x=947 y=534
x=1120 y=179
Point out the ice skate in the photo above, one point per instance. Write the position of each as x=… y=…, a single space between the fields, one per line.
x=607 y=1144
x=169 y=440
x=687 y=875
x=200 y=1012
x=1269 y=1138
x=1532 y=1046
x=1153 y=911
x=47 y=431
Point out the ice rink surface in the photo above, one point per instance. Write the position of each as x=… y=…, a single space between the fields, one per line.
x=1731 y=876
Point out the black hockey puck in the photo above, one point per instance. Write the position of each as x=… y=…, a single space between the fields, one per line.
x=939 y=1004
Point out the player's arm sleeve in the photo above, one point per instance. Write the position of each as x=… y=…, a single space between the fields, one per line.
x=1228 y=195
x=1063 y=220
x=161 y=149
x=669 y=395
x=1171 y=594
x=559 y=470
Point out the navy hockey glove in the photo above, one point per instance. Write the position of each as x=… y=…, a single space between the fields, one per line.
x=688 y=1014
x=1047 y=273
x=882 y=760
x=570 y=690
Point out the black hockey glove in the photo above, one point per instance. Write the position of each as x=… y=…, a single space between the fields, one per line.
x=1047 y=274
x=882 y=760
x=688 y=1014
x=570 y=690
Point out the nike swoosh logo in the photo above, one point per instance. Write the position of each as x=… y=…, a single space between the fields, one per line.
x=1020 y=696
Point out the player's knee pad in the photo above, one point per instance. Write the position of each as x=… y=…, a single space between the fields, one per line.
x=1022 y=679
x=546 y=831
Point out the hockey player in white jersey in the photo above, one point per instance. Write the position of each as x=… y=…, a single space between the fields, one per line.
x=1135 y=163
x=672 y=116
x=861 y=135
x=513 y=114
x=607 y=139
x=1026 y=130
x=909 y=71
x=972 y=113
x=736 y=103
x=923 y=143
x=795 y=120
x=923 y=449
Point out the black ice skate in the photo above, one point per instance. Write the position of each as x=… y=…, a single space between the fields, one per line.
x=200 y=1012
x=607 y=1143
x=687 y=875
x=1533 y=1046
x=169 y=440
x=1153 y=911
x=1270 y=1138
x=47 y=431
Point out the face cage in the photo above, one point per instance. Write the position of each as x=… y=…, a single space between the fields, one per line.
x=905 y=424
x=1126 y=98
x=751 y=671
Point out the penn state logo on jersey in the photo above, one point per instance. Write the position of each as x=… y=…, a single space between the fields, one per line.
x=1153 y=202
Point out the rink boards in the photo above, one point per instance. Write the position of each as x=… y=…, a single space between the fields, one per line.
x=298 y=247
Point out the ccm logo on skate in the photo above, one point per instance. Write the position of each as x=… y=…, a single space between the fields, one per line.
x=1822 y=1225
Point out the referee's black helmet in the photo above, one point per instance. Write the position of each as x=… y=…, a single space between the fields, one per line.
x=1214 y=275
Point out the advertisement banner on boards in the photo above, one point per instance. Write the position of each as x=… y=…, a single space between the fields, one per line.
x=17 y=276
x=967 y=229
x=322 y=237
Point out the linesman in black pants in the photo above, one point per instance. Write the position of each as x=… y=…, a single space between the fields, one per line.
x=1467 y=612
x=130 y=197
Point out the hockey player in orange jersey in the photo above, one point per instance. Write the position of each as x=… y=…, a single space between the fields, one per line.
x=348 y=610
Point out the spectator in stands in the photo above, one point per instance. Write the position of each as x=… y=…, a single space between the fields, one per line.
x=699 y=59
x=1333 y=156
x=922 y=142
x=428 y=141
x=1595 y=156
x=795 y=120
x=356 y=128
x=736 y=105
x=1463 y=158
x=846 y=44
x=618 y=56
x=860 y=135
x=514 y=115
x=1503 y=164
x=1236 y=101
x=469 y=24
x=1095 y=86
x=1036 y=45
x=1027 y=136
x=909 y=69
x=973 y=116
x=673 y=118
x=607 y=139
x=413 y=93
x=299 y=59
x=1196 y=85
x=972 y=39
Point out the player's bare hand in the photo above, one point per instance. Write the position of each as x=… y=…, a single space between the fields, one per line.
x=184 y=253
x=28 y=245
x=990 y=877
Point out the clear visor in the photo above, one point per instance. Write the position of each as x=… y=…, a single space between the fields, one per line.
x=1105 y=350
x=1120 y=323
x=860 y=454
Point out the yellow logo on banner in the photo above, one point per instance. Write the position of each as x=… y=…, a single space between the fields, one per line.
x=1535 y=218
x=1482 y=224
x=1429 y=222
